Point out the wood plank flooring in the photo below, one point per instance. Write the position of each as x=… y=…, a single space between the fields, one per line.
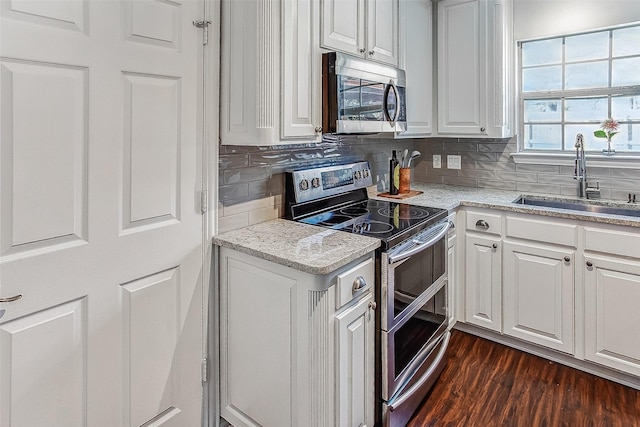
x=487 y=384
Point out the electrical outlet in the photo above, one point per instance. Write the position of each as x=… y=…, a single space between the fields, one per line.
x=454 y=162
x=437 y=161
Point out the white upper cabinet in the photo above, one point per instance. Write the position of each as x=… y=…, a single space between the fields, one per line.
x=475 y=56
x=271 y=72
x=416 y=58
x=365 y=28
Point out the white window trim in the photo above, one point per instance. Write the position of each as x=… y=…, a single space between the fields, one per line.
x=617 y=161
x=621 y=160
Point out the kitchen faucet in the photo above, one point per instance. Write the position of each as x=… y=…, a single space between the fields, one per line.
x=580 y=172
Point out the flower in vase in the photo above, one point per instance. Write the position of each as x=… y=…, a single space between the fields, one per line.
x=607 y=130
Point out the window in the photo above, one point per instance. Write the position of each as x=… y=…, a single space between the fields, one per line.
x=571 y=84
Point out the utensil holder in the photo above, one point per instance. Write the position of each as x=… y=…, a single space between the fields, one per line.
x=405 y=180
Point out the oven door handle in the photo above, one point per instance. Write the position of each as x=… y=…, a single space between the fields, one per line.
x=392 y=405
x=421 y=245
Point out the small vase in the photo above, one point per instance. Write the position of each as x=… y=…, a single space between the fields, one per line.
x=609 y=151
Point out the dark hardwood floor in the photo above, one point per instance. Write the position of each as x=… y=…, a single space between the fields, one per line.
x=487 y=384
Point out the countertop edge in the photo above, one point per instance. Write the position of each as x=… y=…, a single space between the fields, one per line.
x=307 y=248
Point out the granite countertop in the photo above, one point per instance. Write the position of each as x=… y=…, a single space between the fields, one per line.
x=308 y=248
x=450 y=197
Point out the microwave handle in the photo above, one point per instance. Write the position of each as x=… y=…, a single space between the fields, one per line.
x=391 y=120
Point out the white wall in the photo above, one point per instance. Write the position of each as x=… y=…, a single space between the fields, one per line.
x=541 y=18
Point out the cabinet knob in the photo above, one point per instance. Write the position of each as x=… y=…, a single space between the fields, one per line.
x=318 y=129
x=371 y=52
x=567 y=259
x=372 y=305
x=362 y=50
x=589 y=264
x=482 y=224
x=494 y=246
x=483 y=129
x=11 y=299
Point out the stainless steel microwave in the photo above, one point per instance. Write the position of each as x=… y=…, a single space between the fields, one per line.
x=360 y=96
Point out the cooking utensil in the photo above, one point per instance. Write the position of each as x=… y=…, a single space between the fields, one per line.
x=405 y=158
x=414 y=155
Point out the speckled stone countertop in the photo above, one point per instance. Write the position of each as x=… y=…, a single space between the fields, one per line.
x=307 y=248
x=450 y=197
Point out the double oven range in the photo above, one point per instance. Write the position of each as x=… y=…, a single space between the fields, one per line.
x=411 y=277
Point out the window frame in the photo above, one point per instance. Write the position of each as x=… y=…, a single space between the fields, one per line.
x=561 y=156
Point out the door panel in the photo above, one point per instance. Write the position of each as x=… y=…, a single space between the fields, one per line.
x=483 y=282
x=43 y=168
x=100 y=174
x=538 y=295
x=43 y=359
x=151 y=150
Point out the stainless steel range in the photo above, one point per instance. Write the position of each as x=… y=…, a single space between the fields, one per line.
x=411 y=277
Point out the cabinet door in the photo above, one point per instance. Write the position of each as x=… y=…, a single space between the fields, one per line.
x=538 y=295
x=301 y=71
x=612 y=298
x=355 y=371
x=343 y=26
x=460 y=72
x=483 y=284
x=416 y=25
x=382 y=31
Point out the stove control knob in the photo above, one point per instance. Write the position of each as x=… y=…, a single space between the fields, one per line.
x=304 y=184
x=315 y=182
x=365 y=173
x=358 y=174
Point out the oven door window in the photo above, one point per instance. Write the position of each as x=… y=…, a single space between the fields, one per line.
x=419 y=331
x=416 y=274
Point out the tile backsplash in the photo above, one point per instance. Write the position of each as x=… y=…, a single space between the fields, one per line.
x=251 y=179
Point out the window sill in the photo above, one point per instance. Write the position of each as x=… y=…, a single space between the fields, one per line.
x=617 y=161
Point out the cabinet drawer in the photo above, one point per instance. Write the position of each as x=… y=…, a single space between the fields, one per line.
x=484 y=222
x=542 y=231
x=360 y=276
x=612 y=242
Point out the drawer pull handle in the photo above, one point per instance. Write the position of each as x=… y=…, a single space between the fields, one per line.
x=11 y=299
x=358 y=285
x=372 y=305
x=482 y=224
x=589 y=264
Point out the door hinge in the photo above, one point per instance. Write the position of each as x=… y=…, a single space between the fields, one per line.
x=204 y=371
x=205 y=26
x=204 y=201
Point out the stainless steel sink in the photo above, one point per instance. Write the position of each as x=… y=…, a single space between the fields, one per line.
x=578 y=205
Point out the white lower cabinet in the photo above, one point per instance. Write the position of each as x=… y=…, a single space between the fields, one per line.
x=483 y=282
x=280 y=332
x=538 y=297
x=612 y=312
x=567 y=285
x=355 y=396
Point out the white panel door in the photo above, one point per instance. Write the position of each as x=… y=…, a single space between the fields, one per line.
x=612 y=296
x=483 y=282
x=460 y=44
x=538 y=295
x=354 y=339
x=382 y=31
x=100 y=232
x=343 y=26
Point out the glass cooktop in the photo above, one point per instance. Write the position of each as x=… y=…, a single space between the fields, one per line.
x=389 y=221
